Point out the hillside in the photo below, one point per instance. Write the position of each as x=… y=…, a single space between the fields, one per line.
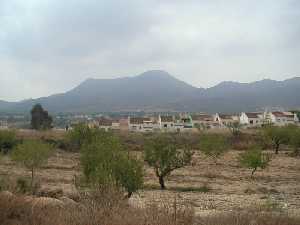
x=158 y=91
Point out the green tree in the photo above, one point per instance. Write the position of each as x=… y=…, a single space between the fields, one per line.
x=105 y=163
x=32 y=154
x=277 y=136
x=40 y=119
x=295 y=141
x=162 y=154
x=254 y=158
x=214 y=145
x=7 y=140
x=80 y=134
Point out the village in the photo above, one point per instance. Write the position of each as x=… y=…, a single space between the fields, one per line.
x=184 y=122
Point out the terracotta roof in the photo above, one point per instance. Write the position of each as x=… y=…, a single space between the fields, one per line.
x=138 y=120
x=225 y=117
x=202 y=117
x=253 y=115
x=279 y=114
x=105 y=122
x=167 y=119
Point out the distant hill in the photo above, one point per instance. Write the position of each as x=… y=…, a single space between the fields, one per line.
x=158 y=91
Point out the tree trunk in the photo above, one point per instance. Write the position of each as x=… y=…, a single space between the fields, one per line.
x=162 y=183
x=129 y=194
x=32 y=180
x=277 y=149
x=253 y=171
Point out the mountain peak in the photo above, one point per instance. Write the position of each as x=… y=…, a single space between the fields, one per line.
x=155 y=73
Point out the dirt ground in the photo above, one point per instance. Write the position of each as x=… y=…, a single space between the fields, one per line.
x=229 y=186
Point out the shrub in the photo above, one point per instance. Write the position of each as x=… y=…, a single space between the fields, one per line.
x=32 y=154
x=105 y=164
x=162 y=154
x=79 y=135
x=8 y=140
x=213 y=145
x=253 y=159
x=295 y=141
x=277 y=135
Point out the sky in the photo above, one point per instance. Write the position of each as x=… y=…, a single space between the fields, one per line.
x=50 y=46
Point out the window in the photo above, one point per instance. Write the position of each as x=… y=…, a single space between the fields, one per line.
x=165 y=125
x=251 y=121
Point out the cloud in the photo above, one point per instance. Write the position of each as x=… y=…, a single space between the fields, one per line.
x=50 y=46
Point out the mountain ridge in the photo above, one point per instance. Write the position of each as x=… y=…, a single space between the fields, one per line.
x=157 y=90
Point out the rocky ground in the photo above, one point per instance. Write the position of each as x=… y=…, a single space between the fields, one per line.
x=208 y=187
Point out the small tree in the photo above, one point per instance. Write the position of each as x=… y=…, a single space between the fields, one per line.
x=214 y=145
x=7 y=140
x=253 y=159
x=104 y=164
x=295 y=141
x=79 y=135
x=162 y=154
x=277 y=136
x=32 y=154
x=40 y=119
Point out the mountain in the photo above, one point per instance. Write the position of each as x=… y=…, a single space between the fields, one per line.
x=157 y=90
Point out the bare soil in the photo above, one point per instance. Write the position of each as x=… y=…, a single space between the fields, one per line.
x=230 y=187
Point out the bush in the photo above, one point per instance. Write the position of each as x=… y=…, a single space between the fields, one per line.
x=80 y=135
x=162 y=154
x=8 y=140
x=277 y=135
x=295 y=141
x=105 y=164
x=253 y=159
x=32 y=154
x=214 y=145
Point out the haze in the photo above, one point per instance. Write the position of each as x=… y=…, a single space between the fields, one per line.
x=51 y=46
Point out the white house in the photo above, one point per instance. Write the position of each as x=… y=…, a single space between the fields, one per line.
x=108 y=124
x=225 y=119
x=166 y=123
x=3 y=124
x=252 y=119
x=142 y=124
x=281 y=118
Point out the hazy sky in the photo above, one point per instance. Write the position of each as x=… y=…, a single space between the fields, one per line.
x=50 y=46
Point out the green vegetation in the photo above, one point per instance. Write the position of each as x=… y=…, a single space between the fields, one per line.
x=40 y=119
x=254 y=158
x=162 y=154
x=213 y=145
x=234 y=127
x=32 y=154
x=7 y=140
x=277 y=136
x=295 y=141
x=105 y=164
x=79 y=135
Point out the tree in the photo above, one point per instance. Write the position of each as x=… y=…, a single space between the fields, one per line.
x=162 y=154
x=253 y=159
x=277 y=136
x=7 y=140
x=295 y=141
x=213 y=145
x=32 y=154
x=80 y=134
x=40 y=119
x=104 y=163
x=234 y=127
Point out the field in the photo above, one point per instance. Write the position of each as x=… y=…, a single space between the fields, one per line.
x=210 y=188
